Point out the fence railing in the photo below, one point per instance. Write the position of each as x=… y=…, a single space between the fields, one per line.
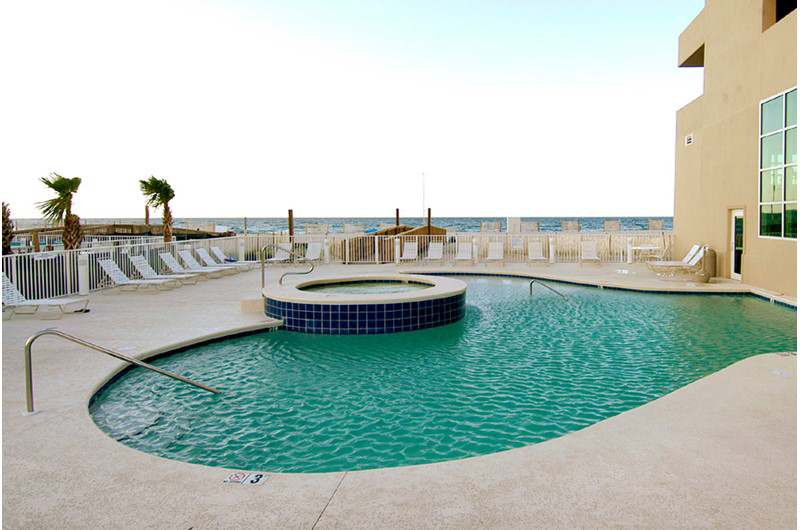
x=55 y=273
x=22 y=243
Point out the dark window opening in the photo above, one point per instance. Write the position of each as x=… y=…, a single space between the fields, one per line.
x=783 y=8
x=774 y=10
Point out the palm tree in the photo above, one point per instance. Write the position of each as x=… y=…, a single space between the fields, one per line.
x=8 y=230
x=159 y=193
x=59 y=209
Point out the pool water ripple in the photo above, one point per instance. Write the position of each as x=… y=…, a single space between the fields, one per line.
x=516 y=370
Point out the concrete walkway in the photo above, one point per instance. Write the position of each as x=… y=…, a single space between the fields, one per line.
x=720 y=452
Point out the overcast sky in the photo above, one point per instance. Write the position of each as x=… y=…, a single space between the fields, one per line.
x=337 y=108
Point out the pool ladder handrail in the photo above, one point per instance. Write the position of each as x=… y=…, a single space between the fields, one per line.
x=263 y=256
x=52 y=331
x=562 y=295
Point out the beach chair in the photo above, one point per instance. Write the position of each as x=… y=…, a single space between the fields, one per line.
x=570 y=226
x=491 y=226
x=528 y=227
x=173 y=265
x=536 y=253
x=464 y=251
x=193 y=265
x=281 y=255
x=612 y=225
x=122 y=282
x=208 y=261
x=495 y=252
x=148 y=273
x=435 y=251
x=313 y=251
x=589 y=252
x=409 y=251
x=225 y=259
x=13 y=300
x=672 y=267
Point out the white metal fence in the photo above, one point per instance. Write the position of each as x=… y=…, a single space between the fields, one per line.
x=55 y=273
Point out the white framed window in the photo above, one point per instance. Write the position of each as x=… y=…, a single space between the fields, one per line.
x=777 y=179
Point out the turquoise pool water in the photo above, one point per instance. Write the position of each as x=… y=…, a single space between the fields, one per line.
x=515 y=371
x=366 y=287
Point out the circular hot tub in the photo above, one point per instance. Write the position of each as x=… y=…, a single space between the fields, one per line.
x=366 y=304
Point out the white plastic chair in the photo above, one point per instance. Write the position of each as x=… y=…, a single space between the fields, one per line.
x=536 y=253
x=148 y=273
x=589 y=252
x=464 y=251
x=281 y=255
x=409 y=251
x=192 y=265
x=224 y=259
x=313 y=251
x=121 y=281
x=435 y=251
x=208 y=261
x=173 y=265
x=495 y=253
x=13 y=300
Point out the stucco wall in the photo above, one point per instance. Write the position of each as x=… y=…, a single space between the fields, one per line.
x=719 y=172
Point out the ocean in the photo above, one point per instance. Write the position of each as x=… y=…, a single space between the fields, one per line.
x=336 y=224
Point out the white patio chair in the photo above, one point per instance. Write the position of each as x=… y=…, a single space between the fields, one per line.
x=589 y=252
x=122 y=282
x=281 y=255
x=409 y=251
x=13 y=300
x=435 y=251
x=225 y=259
x=693 y=265
x=173 y=265
x=536 y=253
x=193 y=265
x=464 y=251
x=495 y=252
x=148 y=273
x=656 y=265
x=313 y=251
x=208 y=261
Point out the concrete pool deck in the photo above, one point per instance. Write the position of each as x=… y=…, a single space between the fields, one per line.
x=720 y=452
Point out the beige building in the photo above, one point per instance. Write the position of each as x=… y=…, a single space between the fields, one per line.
x=736 y=148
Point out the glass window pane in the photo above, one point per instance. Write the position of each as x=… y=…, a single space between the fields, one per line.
x=791 y=146
x=791 y=183
x=772 y=185
x=790 y=230
x=772 y=150
x=772 y=115
x=791 y=108
x=771 y=220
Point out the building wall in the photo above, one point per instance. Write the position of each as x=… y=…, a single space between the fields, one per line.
x=719 y=171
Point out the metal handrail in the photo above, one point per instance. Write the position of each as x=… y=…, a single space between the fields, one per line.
x=52 y=331
x=562 y=295
x=263 y=256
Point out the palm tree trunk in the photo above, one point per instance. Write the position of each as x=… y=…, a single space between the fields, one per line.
x=72 y=236
x=167 y=222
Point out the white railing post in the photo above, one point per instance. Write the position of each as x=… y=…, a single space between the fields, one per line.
x=240 y=240
x=83 y=274
x=397 y=251
x=327 y=248
x=474 y=250
x=377 y=253
x=346 y=250
x=552 y=243
x=630 y=254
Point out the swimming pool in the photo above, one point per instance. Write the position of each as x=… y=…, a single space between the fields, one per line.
x=515 y=371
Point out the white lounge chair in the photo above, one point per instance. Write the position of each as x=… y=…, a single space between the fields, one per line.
x=495 y=253
x=173 y=265
x=671 y=268
x=122 y=282
x=654 y=265
x=224 y=259
x=13 y=300
x=409 y=251
x=536 y=253
x=281 y=255
x=435 y=251
x=208 y=261
x=192 y=265
x=464 y=251
x=589 y=252
x=148 y=273
x=313 y=251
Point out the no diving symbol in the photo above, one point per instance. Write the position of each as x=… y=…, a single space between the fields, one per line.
x=240 y=477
